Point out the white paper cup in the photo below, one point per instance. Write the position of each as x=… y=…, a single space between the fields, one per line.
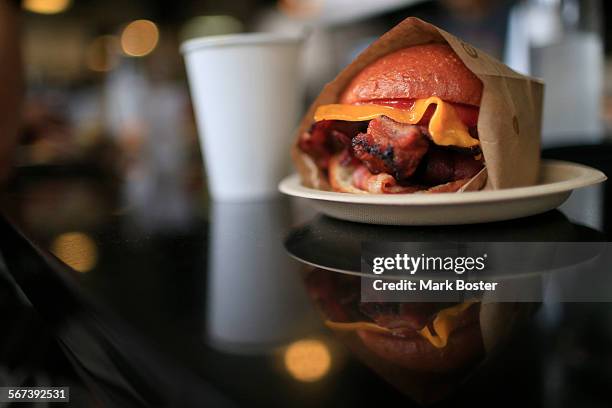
x=246 y=97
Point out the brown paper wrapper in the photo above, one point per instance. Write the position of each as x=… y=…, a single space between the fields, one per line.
x=509 y=121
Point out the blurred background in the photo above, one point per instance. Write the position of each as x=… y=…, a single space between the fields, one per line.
x=109 y=173
x=107 y=97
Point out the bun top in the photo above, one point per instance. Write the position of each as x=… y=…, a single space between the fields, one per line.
x=416 y=72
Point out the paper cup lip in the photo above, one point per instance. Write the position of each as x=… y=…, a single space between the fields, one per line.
x=229 y=40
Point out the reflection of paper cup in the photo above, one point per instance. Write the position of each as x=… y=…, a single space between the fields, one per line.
x=255 y=297
x=245 y=92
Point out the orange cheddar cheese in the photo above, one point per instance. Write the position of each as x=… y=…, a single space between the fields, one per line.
x=445 y=127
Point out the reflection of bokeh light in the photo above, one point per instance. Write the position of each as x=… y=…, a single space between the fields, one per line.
x=46 y=6
x=307 y=360
x=76 y=249
x=139 y=38
x=102 y=53
x=202 y=26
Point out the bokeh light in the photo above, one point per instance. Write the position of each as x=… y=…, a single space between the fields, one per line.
x=203 y=26
x=77 y=250
x=139 y=38
x=307 y=360
x=102 y=54
x=46 y=6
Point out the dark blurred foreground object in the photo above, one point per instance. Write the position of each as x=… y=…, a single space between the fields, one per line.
x=11 y=80
x=114 y=365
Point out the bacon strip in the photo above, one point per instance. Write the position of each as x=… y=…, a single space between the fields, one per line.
x=381 y=183
x=441 y=166
x=341 y=174
x=327 y=137
x=391 y=147
x=450 y=187
x=389 y=158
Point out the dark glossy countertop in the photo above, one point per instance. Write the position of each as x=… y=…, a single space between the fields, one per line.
x=183 y=303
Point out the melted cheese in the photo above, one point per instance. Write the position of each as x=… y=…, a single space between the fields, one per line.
x=444 y=324
x=353 y=326
x=445 y=127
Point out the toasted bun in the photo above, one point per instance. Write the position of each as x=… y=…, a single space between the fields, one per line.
x=416 y=72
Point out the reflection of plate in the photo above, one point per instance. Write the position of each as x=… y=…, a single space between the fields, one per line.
x=558 y=180
x=336 y=245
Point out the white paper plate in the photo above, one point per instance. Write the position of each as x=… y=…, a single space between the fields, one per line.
x=557 y=181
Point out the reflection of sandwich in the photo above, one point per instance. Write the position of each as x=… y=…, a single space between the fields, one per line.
x=405 y=123
x=420 y=337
